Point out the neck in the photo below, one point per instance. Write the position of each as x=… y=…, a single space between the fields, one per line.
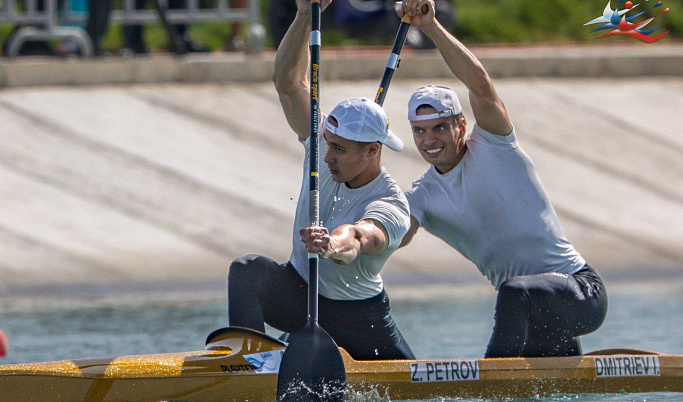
x=445 y=168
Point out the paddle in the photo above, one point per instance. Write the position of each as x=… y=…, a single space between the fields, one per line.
x=312 y=367
x=392 y=64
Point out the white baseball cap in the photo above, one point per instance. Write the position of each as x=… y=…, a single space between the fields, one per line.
x=362 y=120
x=443 y=99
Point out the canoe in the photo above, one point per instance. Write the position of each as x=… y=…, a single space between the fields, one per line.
x=239 y=364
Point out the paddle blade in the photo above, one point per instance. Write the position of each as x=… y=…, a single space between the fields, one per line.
x=312 y=368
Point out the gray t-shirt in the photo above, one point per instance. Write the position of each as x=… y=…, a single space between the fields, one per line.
x=381 y=200
x=493 y=209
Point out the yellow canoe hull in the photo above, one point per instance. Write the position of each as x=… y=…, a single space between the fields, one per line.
x=226 y=370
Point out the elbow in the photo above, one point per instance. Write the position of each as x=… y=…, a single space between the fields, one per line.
x=481 y=85
x=373 y=244
x=281 y=85
x=285 y=85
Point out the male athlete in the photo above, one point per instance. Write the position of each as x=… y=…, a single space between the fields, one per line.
x=483 y=197
x=364 y=217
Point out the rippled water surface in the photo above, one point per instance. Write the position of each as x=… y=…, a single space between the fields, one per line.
x=437 y=322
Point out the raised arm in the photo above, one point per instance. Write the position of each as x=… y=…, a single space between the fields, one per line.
x=489 y=111
x=346 y=242
x=291 y=68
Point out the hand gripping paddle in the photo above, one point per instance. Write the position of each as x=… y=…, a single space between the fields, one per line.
x=312 y=367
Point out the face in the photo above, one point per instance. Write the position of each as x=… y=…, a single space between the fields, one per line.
x=349 y=161
x=441 y=142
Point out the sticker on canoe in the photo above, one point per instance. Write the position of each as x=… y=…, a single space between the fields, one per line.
x=266 y=362
x=456 y=370
x=627 y=366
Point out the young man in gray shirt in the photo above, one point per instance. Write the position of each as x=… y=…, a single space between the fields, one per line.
x=483 y=197
x=364 y=216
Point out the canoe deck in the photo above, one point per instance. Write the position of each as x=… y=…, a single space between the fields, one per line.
x=239 y=365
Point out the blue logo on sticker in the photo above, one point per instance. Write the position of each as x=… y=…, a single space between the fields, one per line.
x=255 y=363
x=266 y=362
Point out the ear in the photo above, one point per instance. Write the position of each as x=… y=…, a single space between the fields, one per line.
x=373 y=150
x=462 y=123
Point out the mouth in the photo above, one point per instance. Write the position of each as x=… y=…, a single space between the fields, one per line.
x=333 y=171
x=433 y=151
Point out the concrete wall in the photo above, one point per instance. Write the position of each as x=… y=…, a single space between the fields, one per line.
x=608 y=60
x=162 y=185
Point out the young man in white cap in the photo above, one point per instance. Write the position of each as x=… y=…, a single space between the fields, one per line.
x=364 y=213
x=483 y=197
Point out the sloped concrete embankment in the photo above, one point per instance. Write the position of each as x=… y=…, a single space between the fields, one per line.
x=161 y=186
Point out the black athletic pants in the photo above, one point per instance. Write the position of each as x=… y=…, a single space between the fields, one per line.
x=133 y=34
x=261 y=290
x=544 y=315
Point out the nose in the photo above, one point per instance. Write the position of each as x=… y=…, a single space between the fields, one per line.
x=429 y=137
x=329 y=157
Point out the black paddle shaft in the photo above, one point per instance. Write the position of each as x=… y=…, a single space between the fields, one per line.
x=392 y=64
x=312 y=367
x=314 y=195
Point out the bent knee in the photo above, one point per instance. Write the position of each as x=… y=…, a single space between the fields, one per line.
x=243 y=267
x=515 y=293
x=247 y=260
x=516 y=285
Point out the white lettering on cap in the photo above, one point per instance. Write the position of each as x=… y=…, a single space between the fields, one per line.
x=447 y=113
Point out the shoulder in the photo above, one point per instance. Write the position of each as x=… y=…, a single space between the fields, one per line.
x=479 y=136
x=386 y=187
x=387 y=195
x=420 y=192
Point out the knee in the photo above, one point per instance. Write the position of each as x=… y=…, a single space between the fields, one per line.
x=515 y=293
x=243 y=269
x=514 y=287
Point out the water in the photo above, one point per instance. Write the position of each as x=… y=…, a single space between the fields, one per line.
x=437 y=322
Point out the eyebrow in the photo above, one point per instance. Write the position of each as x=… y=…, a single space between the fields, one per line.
x=334 y=144
x=443 y=123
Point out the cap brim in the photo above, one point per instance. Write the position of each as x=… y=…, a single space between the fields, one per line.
x=393 y=142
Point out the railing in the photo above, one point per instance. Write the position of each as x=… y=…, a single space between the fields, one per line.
x=49 y=19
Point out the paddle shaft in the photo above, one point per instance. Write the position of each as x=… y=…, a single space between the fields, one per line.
x=312 y=367
x=392 y=63
x=314 y=195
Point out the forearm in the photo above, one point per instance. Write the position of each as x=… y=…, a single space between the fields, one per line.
x=291 y=60
x=347 y=242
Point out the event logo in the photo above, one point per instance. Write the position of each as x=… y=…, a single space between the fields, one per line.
x=620 y=22
x=266 y=362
